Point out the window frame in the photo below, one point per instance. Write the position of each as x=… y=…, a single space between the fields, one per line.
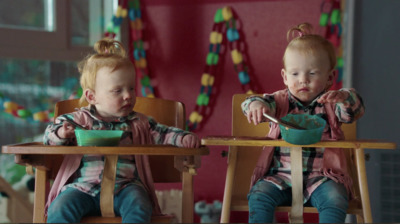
x=43 y=45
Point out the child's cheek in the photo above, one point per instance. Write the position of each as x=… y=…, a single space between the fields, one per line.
x=118 y=102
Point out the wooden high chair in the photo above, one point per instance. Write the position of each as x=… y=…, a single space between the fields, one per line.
x=166 y=161
x=245 y=146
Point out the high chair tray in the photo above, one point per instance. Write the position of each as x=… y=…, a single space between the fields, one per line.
x=39 y=148
x=265 y=141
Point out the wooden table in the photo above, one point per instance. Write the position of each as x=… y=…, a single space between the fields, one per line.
x=296 y=161
x=35 y=153
x=37 y=148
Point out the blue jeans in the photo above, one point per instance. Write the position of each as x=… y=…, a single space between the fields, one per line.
x=132 y=203
x=330 y=199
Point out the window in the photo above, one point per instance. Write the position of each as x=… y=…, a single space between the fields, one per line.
x=35 y=86
x=34 y=15
x=89 y=20
x=52 y=30
x=40 y=43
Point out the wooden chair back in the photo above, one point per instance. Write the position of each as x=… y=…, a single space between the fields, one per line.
x=242 y=161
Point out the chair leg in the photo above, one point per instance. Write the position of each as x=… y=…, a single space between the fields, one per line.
x=226 y=204
x=187 y=197
x=363 y=183
x=40 y=195
x=296 y=212
x=107 y=186
x=360 y=219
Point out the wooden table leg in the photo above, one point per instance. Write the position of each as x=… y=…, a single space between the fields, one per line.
x=188 y=196
x=230 y=173
x=296 y=212
x=108 y=185
x=362 y=180
x=40 y=195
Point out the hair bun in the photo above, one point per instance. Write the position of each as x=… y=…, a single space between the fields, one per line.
x=299 y=31
x=109 y=46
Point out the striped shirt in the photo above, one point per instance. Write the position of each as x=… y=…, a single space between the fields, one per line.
x=89 y=175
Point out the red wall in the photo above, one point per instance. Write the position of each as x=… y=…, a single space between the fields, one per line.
x=177 y=33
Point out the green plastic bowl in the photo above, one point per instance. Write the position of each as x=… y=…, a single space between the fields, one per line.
x=314 y=128
x=98 y=137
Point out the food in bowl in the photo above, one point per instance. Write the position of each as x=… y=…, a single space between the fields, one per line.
x=312 y=134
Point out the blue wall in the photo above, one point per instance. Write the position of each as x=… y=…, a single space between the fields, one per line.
x=376 y=75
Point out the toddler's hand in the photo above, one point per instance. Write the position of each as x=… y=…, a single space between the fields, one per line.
x=255 y=113
x=191 y=141
x=66 y=131
x=333 y=96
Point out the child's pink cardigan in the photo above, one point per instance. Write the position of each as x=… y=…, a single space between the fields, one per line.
x=141 y=135
x=334 y=161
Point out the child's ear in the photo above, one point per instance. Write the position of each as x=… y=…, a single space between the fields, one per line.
x=283 y=74
x=90 y=96
x=332 y=76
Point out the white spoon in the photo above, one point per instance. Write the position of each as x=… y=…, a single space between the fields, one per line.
x=284 y=123
x=75 y=124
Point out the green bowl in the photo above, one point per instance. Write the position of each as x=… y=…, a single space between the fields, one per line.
x=314 y=128
x=98 y=137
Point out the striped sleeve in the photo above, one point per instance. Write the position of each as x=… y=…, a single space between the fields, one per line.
x=351 y=109
x=50 y=136
x=166 y=135
x=268 y=100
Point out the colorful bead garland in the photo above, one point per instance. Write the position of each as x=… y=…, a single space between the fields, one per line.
x=19 y=111
x=132 y=9
x=223 y=18
x=330 y=18
x=44 y=111
x=139 y=53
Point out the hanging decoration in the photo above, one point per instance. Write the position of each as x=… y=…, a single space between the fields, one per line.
x=20 y=111
x=331 y=20
x=225 y=33
x=138 y=51
x=44 y=112
x=132 y=9
x=224 y=28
